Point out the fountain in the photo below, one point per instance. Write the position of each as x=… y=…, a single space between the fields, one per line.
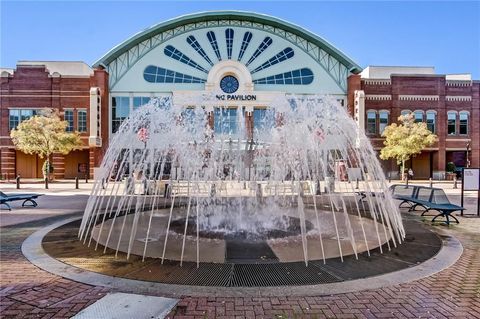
x=175 y=186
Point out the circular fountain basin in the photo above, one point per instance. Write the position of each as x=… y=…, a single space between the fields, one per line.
x=224 y=247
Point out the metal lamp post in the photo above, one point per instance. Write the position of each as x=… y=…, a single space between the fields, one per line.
x=468 y=150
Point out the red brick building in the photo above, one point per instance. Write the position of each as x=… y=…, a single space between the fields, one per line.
x=74 y=89
x=448 y=103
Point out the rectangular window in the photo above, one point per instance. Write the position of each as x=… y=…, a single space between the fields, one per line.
x=17 y=116
x=463 y=123
x=69 y=118
x=139 y=101
x=418 y=116
x=82 y=120
x=225 y=121
x=431 y=121
x=452 y=123
x=371 y=122
x=120 y=111
x=14 y=119
x=383 y=121
x=263 y=119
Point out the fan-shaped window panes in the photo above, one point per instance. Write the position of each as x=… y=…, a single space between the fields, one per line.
x=179 y=56
x=225 y=121
x=155 y=74
x=197 y=47
x=371 y=122
x=431 y=119
x=282 y=56
x=229 y=37
x=296 y=77
x=382 y=121
x=452 y=123
x=213 y=42
x=247 y=37
x=463 y=123
x=262 y=47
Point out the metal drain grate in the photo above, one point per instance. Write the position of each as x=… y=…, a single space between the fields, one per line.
x=242 y=270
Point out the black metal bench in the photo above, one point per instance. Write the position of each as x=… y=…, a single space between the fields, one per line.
x=428 y=198
x=28 y=199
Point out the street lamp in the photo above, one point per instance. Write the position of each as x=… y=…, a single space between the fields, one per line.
x=468 y=150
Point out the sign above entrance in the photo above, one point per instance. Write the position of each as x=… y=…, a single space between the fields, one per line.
x=236 y=97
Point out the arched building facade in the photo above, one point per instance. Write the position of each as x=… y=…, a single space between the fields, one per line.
x=242 y=59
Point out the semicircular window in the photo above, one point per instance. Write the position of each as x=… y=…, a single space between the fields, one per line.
x=296 y=77
x=262 y=47
x=172 y=52
x=281 y=56
x=197 y=47
x=155 y=74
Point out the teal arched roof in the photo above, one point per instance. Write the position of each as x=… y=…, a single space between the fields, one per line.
x=226 y=15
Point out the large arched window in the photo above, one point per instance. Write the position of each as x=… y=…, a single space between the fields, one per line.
x=452 y=123
x=463 y=115
x=431 y=120
x=382 y=121
x=405 y=112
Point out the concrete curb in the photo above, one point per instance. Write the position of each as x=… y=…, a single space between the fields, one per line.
x=32 y=249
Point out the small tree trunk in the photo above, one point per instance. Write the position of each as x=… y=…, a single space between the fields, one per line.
x=403 y=170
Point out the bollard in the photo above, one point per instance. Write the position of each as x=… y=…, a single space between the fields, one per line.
x=356 y=186
x=455 y=182
x=407 y=182
x=86 y=178
x=46 y=182
x=76 y=182
x=389 y=177
x=431 y=182
x=17 y=180
x=103 y=183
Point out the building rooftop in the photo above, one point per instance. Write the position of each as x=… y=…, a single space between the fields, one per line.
x=69 y=68
x=384 y=72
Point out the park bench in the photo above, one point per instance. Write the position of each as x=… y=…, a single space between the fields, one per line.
x=27 y=198
x=428 y=198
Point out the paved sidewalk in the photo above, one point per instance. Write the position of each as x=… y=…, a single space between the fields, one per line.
x=28 y=292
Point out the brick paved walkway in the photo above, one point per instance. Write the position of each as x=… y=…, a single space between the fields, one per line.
x=27 y=292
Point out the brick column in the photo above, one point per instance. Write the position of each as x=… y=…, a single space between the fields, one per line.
x=58 y=162
x=92 y=161
x=475 y=127
x=249 y=124
x=7 y=169
x=441 y=127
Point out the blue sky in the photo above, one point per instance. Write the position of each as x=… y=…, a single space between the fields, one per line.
x=443 y=34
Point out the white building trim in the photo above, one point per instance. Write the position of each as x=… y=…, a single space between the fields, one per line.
x=458 y=98
x=378 y=97
x=458 y=83
x=377 y=81
x=418 y=97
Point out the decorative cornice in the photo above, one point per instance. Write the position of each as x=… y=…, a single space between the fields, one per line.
x=458 y=98
x=418 y=97
x=377 y=81
x=458 y=83
x=378 y=97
